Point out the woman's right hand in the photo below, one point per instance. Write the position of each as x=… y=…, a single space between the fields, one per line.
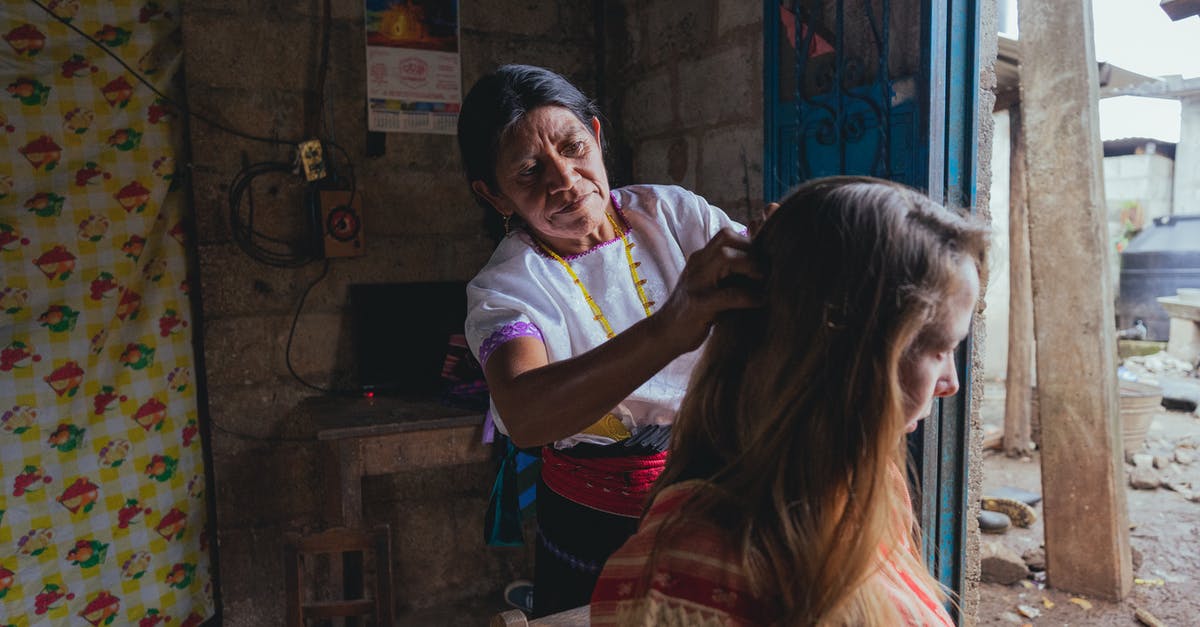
x=719 y=277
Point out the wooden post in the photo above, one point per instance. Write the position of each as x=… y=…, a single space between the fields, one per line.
x=1018 y=380
x=1083 y=479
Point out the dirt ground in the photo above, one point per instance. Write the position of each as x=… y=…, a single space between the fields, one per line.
x=1164 y=530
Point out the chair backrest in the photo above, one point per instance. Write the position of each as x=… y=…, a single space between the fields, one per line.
x=574 y=617
x=339 y=541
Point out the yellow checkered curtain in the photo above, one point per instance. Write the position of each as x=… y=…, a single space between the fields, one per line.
x=102 y=506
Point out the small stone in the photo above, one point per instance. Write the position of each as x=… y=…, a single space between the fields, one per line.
x=1183 y=457
x=1144 y=478
x=1161 y=462
x=1035 y=559
x=1143 y=460
x=1029 y=611
x=1175 y=481
x=1000 y=564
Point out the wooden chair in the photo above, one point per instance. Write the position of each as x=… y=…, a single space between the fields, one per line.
x=340 y=541
x=575 y=617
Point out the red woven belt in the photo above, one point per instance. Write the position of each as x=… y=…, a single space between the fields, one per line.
x=617 y=485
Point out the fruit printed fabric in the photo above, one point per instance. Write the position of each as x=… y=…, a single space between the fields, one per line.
x=102 y=510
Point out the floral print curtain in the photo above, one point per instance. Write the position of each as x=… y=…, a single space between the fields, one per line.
x=102 y=504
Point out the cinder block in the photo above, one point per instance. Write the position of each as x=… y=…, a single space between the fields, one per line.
x=723 y=86
x=428 y=258
x=249 y=51
x=347 y=10
x=237 y=350
x=249 y=416
x=521 y=18
x=723 y=173
x=401 y=201
x=668 y=161
x=211 y=207
x=671 y=30
x=218 y=7
x=648 y=105
x=733 y=14
x=249 y=350
x=268 y=113
x=322 y=352
x=235 y=285
x=438 y=541
x=270 y=485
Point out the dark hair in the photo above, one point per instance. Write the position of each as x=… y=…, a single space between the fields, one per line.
x=502 y=98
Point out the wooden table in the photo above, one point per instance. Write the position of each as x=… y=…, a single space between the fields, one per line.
x=362 y=437
x=365 y=437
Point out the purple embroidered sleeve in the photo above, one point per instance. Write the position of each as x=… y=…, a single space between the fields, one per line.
x=507 y=333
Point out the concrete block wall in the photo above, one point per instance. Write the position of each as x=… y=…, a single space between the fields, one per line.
x=685 y=94
x=249 y=65
x=1145 y=179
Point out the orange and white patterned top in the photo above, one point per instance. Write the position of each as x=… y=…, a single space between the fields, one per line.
x=698 y=582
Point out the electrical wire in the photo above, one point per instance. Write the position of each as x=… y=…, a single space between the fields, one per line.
x=242 y=229
x=287 y=352
x=171 y=101
x=263 y=248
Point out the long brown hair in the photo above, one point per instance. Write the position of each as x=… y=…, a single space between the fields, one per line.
x=794 y=418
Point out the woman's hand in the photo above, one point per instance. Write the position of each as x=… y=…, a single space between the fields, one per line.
x=718 y=277
x=756 y=223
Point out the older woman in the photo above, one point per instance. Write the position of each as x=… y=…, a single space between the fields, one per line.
x=784 y=502
x=588 y=314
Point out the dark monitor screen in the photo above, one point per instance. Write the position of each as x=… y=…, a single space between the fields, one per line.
x=401 y=332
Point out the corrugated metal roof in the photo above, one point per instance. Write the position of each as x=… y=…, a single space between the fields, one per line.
x=1113 y=79
x=1137 y=145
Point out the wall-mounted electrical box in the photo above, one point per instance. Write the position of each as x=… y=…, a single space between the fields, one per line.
x=341 y=223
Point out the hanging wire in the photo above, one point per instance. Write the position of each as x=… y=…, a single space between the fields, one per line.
x=171 y=101
x=287 y=353
x=266 y=249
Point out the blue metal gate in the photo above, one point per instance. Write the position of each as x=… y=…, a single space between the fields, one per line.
x=832 y=110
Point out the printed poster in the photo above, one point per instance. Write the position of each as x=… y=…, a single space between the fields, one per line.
x=414 y=77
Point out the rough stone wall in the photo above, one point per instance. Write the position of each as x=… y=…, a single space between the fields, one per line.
x=249 y=64
x=988 y=44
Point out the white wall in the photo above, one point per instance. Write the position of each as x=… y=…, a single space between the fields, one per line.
x=1187 y=159
x=995 y=356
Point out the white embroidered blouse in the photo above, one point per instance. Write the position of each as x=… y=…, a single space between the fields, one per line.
x=522 y=292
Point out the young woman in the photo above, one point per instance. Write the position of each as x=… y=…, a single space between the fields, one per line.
x=784 y=501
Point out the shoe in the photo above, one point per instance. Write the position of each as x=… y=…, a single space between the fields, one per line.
x=1016 y=494
x=993 y=522
x=1019 y=513
x=519 y=594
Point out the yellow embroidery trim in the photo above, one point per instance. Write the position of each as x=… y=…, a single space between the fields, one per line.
x=638 y=282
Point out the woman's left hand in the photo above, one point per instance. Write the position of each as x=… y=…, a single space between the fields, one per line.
x=719 y=277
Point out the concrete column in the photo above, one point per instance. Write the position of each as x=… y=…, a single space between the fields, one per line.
x=1187 y=157
x=1086 y=521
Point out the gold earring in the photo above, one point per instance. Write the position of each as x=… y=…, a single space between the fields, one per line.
x=507 y=228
